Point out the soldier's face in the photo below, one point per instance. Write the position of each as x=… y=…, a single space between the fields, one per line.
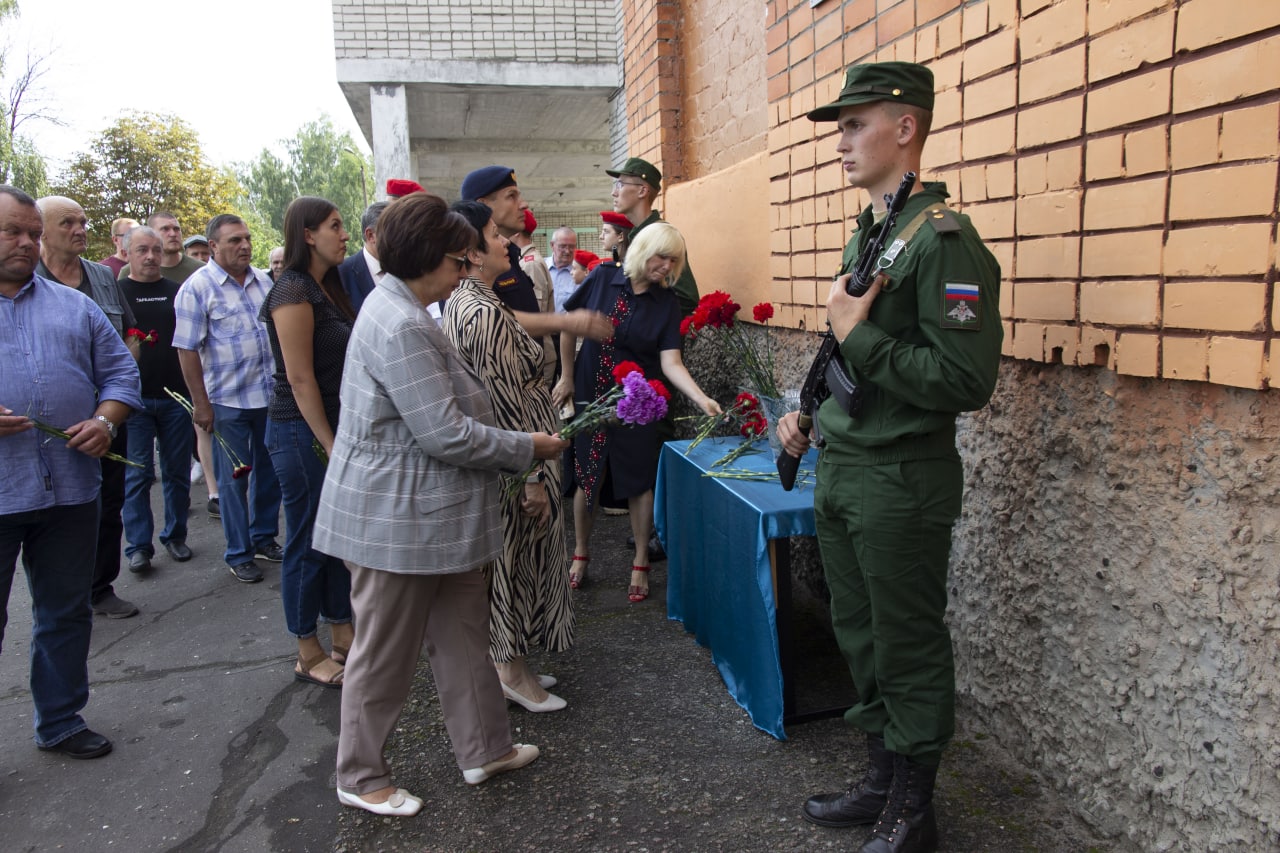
x=508 y=207
x=869 y=144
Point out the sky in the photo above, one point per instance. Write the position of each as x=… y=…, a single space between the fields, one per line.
x=244 y=73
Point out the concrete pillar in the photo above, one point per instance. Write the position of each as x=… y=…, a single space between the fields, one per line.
x=389 y=111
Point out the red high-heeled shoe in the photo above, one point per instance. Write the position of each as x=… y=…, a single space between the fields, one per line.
x=577 y=580
x=637 y=594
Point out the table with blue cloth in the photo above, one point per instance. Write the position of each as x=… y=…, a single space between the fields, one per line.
x=728 y=571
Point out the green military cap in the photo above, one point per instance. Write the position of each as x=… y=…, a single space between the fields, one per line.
x=902 y=82
x=637 y=168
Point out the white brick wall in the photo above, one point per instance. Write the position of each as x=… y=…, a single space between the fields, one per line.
x=562 y=31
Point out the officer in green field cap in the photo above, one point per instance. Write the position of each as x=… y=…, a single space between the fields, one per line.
x=636 y=184
x=924 y=345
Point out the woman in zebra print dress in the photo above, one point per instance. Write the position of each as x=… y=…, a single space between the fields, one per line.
x=529 y=603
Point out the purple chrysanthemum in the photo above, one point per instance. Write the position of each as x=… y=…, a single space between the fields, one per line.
x=640 y=404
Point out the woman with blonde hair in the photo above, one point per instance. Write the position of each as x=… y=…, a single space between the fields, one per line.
x=646 y=316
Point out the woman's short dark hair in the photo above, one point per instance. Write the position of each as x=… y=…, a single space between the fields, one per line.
x=305 y=213
x=478 y=214
x=416 y=232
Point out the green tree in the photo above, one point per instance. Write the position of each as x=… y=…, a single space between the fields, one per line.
x=20 y=163
x=318 y=161
x=142 y=163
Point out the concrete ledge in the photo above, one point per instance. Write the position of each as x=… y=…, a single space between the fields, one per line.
x=469 y=73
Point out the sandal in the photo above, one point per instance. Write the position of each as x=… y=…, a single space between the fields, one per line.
x=637 y=594
x=302 y=672
x=577 y=580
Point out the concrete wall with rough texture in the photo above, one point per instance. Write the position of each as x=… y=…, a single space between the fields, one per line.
x=1115 y=593
x=1116 y=598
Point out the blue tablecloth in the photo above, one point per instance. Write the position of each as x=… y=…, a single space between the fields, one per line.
x=719 y=578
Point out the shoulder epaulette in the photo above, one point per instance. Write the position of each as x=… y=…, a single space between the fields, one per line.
x=943 y=219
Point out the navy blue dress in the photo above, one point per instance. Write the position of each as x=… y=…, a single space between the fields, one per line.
x=645 y=324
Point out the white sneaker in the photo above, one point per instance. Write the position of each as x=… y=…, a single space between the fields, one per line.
x=197 y=473
x=525 y=754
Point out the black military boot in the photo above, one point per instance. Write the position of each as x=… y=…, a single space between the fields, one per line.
x=907 y=824
x=862 y=803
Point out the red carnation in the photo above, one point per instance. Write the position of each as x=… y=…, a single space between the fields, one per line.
x=754 y=425
x=763 y=312
x=625 y=369
x=686 y=326
x=746 y=402
x=660 y=389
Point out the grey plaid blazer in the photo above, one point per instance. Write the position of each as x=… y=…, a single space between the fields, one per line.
x=413 y=486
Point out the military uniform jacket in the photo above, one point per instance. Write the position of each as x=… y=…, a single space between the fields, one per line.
x=931 y=346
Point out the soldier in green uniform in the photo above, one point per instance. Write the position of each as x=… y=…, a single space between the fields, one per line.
x=636 y=184
x=924 y=344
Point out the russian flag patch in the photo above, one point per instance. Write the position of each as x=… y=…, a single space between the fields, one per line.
x=960 y=306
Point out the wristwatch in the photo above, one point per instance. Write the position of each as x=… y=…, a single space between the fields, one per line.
x=539 y=477
x=111 y=428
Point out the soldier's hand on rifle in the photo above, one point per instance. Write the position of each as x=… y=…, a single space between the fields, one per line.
x=794 y=441
x=845 y=311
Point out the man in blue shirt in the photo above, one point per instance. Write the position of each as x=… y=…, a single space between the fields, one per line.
x=62 y=363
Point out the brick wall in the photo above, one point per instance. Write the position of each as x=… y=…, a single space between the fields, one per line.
x=651 y=41
x=724 y=110
x=532 y=30
x=1120 y=156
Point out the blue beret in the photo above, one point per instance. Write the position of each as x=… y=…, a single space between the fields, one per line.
x=482 y=182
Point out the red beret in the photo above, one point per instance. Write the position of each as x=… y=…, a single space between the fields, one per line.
x=397 y=187
x=616 y=219
x=585 y=259
x=530 y=224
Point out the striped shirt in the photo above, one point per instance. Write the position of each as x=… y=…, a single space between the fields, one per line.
x=217 y=317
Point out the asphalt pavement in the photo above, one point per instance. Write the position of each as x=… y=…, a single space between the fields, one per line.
x=218 y=748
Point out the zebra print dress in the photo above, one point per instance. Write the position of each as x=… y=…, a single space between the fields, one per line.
x=529 y=602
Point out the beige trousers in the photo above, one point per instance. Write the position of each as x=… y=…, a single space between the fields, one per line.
x=394 y=614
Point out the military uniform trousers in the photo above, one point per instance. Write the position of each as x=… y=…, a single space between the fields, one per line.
x=884 y=532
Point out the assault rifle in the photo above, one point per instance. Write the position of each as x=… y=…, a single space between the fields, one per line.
x=816 y=386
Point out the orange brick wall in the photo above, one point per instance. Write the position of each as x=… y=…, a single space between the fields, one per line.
x=725 y=115
x=652 y=70
x=1122 y=157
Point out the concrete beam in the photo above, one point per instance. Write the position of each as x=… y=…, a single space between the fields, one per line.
x=468 y=74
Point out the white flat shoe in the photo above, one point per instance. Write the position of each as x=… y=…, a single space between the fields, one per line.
x=399 y=804
x=546 y=682
x=551 y=703
x=525 y=754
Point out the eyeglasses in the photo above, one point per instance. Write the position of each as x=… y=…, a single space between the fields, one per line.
x=619 y=184
x=462 y=262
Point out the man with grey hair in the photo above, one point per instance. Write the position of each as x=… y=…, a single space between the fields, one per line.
x=275 y=262
x=161 y=420
x=564 y=242
x=176 y=265
x=359 y=273
x=66 y=236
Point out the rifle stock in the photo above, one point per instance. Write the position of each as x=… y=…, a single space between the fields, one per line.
x=815 y=390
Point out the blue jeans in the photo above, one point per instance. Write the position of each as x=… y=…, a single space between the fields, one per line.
x=250 y=505
x=165 y=422
x=58 y=546
x=311 y=584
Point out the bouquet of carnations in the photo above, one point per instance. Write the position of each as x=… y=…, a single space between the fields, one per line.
x=631 y=401
x=745 y=413
x=715 y=318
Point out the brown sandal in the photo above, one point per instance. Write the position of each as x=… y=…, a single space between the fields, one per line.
x=302 y=672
